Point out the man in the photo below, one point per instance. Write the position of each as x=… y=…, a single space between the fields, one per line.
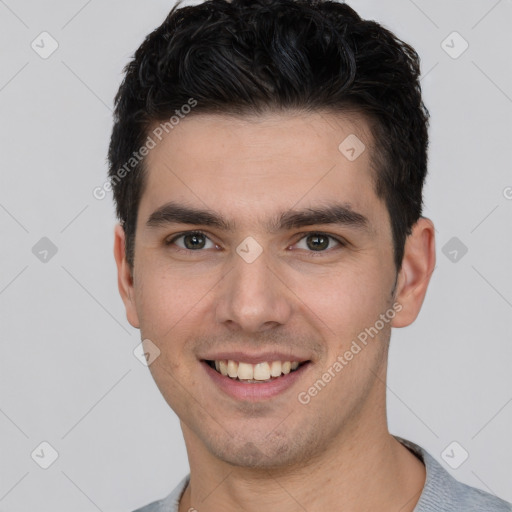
x=267 y=162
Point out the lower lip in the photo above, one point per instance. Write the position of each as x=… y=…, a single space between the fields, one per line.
x=255 y=391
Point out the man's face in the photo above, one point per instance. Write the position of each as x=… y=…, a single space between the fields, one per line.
x=296 y=292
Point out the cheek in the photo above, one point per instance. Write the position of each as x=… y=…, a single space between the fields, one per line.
x=342 y=303
x=164 y=297
x=165 y=292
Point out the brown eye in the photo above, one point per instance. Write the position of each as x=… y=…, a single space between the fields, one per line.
x=318 y=242
x=192 y=241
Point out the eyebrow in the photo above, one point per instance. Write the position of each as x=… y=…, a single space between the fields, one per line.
x=337 y=213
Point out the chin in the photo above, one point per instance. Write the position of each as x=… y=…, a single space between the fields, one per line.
x=254 y=456
x=263 y=451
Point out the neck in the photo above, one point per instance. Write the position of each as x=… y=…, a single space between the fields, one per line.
x=361 y=470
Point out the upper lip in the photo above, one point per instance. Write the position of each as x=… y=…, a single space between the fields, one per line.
x=254 y=358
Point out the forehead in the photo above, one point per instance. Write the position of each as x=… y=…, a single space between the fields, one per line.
x=261 y=165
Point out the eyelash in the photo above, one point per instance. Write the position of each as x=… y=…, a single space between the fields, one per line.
x=304 y=235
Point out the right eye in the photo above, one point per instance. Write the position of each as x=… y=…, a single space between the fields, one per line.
x=192 y=241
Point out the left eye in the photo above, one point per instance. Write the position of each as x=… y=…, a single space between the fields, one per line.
x=318 y=242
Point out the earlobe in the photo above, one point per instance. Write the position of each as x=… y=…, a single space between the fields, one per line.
x=124 y=277
x=417 y=267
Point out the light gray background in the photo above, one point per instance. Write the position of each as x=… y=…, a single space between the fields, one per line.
x=68 y=375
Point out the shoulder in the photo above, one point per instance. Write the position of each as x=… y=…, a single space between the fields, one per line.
x=443 y=493
x=472 y=499
x=168 y=504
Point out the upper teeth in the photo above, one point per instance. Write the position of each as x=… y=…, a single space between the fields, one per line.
x=259 y=371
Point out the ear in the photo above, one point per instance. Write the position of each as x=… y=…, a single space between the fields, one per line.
x=417 y=266
x=124 y=276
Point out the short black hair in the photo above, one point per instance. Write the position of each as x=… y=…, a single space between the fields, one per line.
x=250 y=57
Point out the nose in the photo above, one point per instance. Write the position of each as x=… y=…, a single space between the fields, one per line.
x=253 y=297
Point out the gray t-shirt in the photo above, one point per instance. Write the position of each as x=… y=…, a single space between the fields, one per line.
x=441 y=493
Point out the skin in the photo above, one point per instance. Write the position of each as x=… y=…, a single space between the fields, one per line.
x=274 y=453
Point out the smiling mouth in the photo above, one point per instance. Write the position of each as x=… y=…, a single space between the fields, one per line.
x=254 y=373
